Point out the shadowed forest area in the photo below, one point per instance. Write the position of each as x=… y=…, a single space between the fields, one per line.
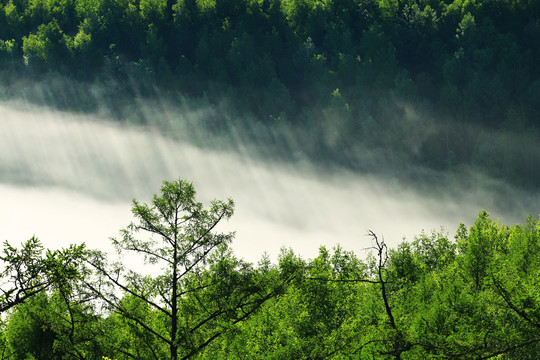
x=448 y=85
x=472 y=297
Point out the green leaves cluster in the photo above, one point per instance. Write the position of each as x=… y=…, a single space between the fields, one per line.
x=202 y=290
x=27 y=271
x=474 y=297
x=409 y=73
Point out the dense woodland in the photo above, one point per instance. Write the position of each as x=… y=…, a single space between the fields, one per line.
x=446 y=84
x=472 y=297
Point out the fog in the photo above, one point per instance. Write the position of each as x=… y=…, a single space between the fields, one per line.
x=70 y=178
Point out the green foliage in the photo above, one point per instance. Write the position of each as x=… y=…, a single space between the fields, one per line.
x=8 y=50
x=48 y=46
x=51 y=327
x=313 y=318
x=28 y=272
x=26 y=335
x=432 y=298
x=461 y=61
x=463 y=308
x=440 y=307
x=201 y=292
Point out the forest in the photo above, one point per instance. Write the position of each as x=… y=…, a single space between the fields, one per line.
x=472 y=297
x=450 y=85
x=447 y=86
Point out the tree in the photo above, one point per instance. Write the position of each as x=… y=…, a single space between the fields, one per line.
x=27 y=272
x=48 y=46
x=202 y=289
x=474 y=299
x=377 y=329
x=317 y=316
x=51 y=327
x=27 y=336
x=397 y=343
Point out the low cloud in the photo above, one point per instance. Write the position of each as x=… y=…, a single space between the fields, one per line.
x=68 y=177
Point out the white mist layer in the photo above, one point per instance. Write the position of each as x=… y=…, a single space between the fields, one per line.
x=69 y=179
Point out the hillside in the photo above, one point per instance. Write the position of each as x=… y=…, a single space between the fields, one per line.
x=443 y=84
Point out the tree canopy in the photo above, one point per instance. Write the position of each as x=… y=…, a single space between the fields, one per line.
x=426 y=80
x=471 y=297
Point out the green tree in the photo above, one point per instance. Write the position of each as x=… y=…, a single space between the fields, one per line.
x=27 y=336
x=202 y=289
x=55 y=326
x=48 y=46
x=478 y=302
x=28 y=272
x=316 y=317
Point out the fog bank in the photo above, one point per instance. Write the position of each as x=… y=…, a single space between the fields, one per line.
x=69 y=178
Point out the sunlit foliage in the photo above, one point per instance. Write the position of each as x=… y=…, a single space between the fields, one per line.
x=473 y=297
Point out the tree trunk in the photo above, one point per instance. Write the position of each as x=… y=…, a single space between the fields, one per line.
x=174 y=299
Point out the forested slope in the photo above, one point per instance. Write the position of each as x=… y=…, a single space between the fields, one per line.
x=444 y=84
x=472 y=297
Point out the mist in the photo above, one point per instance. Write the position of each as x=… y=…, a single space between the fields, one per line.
x=70 y=178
